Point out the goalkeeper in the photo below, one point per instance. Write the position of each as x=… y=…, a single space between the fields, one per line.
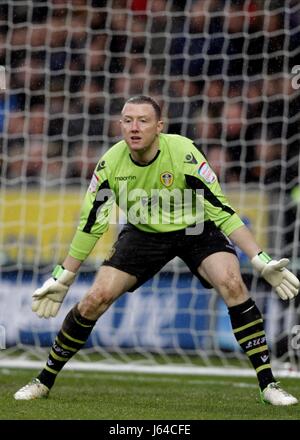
x=154 y=165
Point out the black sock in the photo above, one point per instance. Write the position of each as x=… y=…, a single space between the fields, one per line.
x=71 y=338
x=247 y=325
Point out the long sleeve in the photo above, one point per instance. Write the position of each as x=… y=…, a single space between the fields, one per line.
x=199 y=175
x=95 y=214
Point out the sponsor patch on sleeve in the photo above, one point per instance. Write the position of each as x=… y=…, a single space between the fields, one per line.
x=93 y=184
x=206 y=173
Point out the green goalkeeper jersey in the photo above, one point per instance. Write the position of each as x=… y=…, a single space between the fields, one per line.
x=176 y=190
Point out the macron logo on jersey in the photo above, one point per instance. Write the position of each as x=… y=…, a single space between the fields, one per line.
x=190 y=158
x=101 y=165
x=206 y=172
x=125 y=177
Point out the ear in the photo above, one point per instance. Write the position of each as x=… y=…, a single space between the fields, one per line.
x=160 y=126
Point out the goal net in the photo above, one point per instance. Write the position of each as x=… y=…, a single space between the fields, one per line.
x=226 y=75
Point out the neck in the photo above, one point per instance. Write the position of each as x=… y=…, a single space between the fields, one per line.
x=144 y=156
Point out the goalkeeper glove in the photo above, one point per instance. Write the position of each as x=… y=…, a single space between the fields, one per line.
x=275 y=273
x=47 y=300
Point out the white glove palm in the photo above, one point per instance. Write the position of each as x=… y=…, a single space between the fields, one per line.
x=47 y=300
x=275 y=273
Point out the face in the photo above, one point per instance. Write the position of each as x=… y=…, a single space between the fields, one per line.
x=140 y=126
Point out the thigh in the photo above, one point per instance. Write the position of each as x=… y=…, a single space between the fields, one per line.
x=109 y=284
x=114 y=281
x=217 y=266
x=195 y=249
x=222 y=271
x=140 y=254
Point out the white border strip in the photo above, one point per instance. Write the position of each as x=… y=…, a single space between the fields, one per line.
x=148 y=369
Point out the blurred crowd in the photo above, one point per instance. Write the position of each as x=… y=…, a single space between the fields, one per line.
x=220 y=69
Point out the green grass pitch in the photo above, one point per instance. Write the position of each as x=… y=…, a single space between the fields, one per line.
x=132 y=396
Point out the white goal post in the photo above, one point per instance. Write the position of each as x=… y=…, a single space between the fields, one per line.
x=227 y=75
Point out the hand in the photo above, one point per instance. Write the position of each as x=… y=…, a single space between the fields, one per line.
x=275 y=273
x=47 y=300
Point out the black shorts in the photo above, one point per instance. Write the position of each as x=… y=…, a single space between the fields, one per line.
x=143 y=254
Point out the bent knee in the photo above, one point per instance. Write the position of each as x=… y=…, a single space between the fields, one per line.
x=231 y=286
x=95 y=302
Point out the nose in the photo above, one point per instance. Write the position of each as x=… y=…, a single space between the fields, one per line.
x=135 y=125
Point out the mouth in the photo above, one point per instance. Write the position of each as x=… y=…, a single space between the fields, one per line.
x=135 y=138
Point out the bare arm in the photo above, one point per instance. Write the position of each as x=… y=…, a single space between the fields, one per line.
x=245 y=240
x=72 y=264
x=274 y=272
